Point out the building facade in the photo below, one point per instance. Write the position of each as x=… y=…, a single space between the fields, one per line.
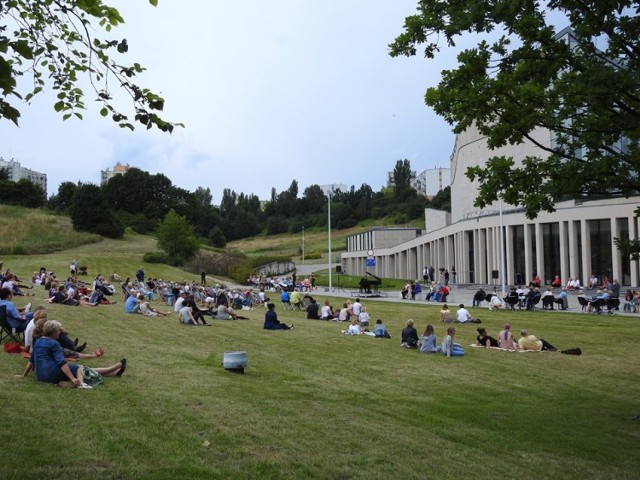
x=575 y=241
x=118 y=169
x=430 y=182
x=17 y=172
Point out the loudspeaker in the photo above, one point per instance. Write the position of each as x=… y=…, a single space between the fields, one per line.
x=494 y=274
x=338 y=269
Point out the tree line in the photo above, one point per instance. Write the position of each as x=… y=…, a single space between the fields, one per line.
x=141 y=201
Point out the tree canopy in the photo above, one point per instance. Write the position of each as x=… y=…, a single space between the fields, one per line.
x=54 y=43
x=584 y=86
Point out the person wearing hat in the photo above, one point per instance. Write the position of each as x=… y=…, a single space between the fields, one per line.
x=505 y=338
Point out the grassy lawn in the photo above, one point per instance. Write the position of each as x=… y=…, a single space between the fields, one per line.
x=317 y=404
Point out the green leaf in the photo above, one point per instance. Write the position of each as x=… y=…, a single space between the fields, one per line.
x=104 y=112
x=59 y=106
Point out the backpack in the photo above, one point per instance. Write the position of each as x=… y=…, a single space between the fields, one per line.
x=572 y=351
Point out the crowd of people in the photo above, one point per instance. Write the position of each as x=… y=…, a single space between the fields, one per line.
x=51 y=348
x=47 y=344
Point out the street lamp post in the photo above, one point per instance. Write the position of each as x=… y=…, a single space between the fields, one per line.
x=503 y=265
x=329 y=232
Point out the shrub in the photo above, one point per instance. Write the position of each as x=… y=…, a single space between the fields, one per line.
x=155 y=257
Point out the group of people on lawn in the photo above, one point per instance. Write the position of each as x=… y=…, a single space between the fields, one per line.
x=48 y=346
x=428 y=342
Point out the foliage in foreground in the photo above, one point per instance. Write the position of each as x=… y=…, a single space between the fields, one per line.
x=55 y=43
x=520 y=76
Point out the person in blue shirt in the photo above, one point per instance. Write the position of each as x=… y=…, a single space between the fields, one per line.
x=18 y=318
x=285 y=298
x=47 y=359
x=132 y=304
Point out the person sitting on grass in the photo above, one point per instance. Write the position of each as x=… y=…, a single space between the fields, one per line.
x=484 y=339
x=354 y=328
x=344 y=314
x=62 y=298
x=464 y=316
x=505 y=338
x=227 y=313
x=271 y=321
x=70 y=348
x=380 y=330
x=326 y=313
x=445 y=314
x=449 y=348
x=409 y=335
x=149 y=311
x=132 y=304
x=429 y=341
x=364 y=317
x=48 y=361
x=530 y=342
x=312 y=310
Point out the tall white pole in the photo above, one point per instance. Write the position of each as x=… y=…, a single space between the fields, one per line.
x=329 y=226
x=503 y=266
x=303 y=244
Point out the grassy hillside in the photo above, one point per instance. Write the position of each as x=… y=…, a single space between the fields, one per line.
x=106 y=256
x=26 y=231
x=317 y=404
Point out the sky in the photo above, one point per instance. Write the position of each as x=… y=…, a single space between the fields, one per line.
x=268 y=91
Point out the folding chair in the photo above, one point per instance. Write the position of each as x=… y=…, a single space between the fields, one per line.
x=547 y=302
x=584 y=303
x=125 y=292
x=6 y=331
x=612 y=304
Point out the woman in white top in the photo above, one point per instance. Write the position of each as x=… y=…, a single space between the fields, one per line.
x=364 y=318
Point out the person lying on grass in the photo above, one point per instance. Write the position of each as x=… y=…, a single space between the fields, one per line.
x=50 y=365
x=485 y=339
x=530 y=342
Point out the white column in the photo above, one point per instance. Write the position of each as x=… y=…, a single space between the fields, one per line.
x=564 y=257
x=540 y=252
x=616 y=258
x=528 y=253
x=585 y=234
x=633 y=235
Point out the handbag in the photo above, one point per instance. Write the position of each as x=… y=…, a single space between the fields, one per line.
x=12 y=347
